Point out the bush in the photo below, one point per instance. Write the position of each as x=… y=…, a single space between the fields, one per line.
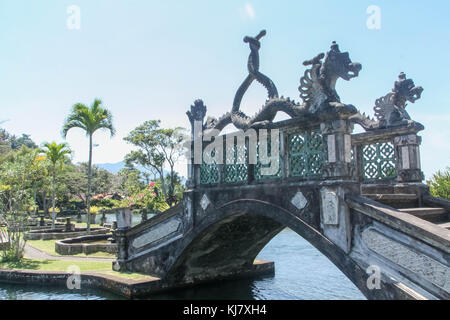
x=105 y=203
x=440 y=184
x=95 y=210
x=15 y=225
x=148 y=198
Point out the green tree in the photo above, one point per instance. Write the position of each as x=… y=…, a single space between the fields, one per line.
x=440 y=184
x=90 y=119
x=5 y=145
x=157 y=147
x=131 y=181
x=24 y=140
x=17 y=172
x=56 y=154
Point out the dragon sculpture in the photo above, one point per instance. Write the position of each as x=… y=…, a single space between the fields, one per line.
x=317 y=90
x=390 y=109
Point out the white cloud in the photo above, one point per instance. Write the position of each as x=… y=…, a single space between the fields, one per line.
x=247 y=11
x=250 y=11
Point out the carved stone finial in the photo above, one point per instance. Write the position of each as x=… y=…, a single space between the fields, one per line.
x=390 y=109
x=197 y=112
x=335 y=47
x=405 y=90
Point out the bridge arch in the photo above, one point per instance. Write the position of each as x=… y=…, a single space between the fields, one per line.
x=228 y=242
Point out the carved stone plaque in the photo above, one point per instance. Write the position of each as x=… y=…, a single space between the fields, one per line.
x=330 y=206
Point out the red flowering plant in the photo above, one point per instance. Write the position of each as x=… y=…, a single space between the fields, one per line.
x=148 y=198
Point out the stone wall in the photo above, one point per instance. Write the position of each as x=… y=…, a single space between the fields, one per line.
x=73 y=246
x=48 y=234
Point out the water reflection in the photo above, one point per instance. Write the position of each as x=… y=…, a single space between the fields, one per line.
x=111 y=217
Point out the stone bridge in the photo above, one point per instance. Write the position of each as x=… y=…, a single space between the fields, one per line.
x=356 y=197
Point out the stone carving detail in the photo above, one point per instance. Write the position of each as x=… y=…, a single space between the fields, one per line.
x=299 y=201
x=204 y=202
x=390 y=109
x=317 y=88
x=420 y=264
x=330 y=206
x=197 y=112
x=157 y=233
x=405 y=90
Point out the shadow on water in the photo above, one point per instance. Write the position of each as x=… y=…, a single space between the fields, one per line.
x=301 y=273
x=242 y=289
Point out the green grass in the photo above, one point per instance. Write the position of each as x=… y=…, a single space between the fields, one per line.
x=129 y=275
x=48 y=246
x=56 y=265
x=64 y=265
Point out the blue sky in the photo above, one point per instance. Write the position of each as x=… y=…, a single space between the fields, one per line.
x=152 y=59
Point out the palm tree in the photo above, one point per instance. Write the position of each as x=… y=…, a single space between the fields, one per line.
x=56 y=154
x=90 y=119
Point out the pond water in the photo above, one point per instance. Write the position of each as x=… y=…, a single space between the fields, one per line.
x=301 y=272
x=110 y=217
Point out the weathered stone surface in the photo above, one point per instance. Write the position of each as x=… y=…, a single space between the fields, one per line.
x=123 y=218
x=299 y=200
x=157 y=233
x=418 y=263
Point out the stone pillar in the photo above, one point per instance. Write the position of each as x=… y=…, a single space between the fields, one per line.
x=41 y=221
x=408 y=158
x=144 y=216
x=196 y=117
x=68 y=226
x=122 y=249
x=124 y=218
x=103 y=218
x=337 y=138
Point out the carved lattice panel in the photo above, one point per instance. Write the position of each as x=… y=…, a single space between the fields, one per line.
x=209 y=173
x=258 y=166
x=236 y=164
x=306 y=154
x=379 y=161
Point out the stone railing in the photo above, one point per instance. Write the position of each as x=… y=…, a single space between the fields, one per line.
x=388 y=155
x=316 y=153
x=165 y=227
x=300 y=155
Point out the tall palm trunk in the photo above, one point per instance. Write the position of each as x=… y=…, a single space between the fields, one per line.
x=89 y=187
x=53 y=198
x=36 y=207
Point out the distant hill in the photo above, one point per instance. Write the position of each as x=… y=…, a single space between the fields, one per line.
x=115 y=168
x=111 y=167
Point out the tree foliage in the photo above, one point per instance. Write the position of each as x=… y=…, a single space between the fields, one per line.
x=440 y=184
x=56 y=155
x=158 y=147
x=90 y=119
